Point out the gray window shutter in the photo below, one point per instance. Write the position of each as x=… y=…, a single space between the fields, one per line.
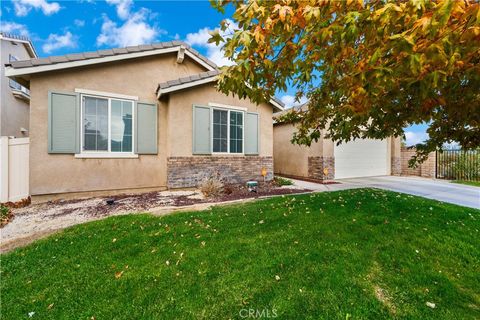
x=201 y=130
x=63 y=122
x=146 y=128
x=252 y=140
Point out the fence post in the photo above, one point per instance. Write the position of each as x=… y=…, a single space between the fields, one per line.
x=3 y=169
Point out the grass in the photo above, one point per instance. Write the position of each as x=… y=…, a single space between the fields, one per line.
x=353 y=254
x=469 y=183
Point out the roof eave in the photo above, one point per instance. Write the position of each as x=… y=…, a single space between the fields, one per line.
x=183 y=86
x=277 y=107
x=12 y=71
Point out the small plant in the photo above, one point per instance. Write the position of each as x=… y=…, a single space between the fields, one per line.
x=283 y=182
x=5 y=215
x=212 y=186
x=4 y=210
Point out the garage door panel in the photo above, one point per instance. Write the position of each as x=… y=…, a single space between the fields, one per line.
x=361 y=158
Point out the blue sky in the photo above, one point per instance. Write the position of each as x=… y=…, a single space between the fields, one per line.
x=61 y=27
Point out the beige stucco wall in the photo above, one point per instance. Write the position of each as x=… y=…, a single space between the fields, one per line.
x=292 y=159
x=180 y=118
x=59 y=173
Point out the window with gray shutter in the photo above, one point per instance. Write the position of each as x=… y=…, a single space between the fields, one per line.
x=63 y=122
x=252 y=133
x=201 y=130
x=146 y=127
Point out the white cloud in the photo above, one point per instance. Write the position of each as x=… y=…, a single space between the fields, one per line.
x=14 y=28
x=214 y=52
x=79 y=23
x=134 y=31
x=55 y=42
x=413 y=138
x=123 y=7
x=23 y=7
x=289 y=101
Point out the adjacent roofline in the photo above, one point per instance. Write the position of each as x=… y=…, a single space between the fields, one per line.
x=196 y=80
x=186 y=82
x=17 y=38
x=27 y=67
x=300 y=107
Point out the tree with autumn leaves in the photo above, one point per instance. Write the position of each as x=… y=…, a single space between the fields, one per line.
x=368 y=68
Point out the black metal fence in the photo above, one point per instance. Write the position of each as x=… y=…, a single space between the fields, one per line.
x=458 y=165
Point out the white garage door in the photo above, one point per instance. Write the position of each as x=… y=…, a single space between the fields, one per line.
x=361 y=158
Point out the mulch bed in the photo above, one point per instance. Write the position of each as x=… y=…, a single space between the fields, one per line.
x=104 y=206
x=235 y=192
x=5 y=219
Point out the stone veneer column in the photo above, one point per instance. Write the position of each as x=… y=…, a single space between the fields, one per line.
x=318 y=164
x=396 y=169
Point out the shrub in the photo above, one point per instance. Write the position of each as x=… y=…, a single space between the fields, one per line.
x=5 y=215
x=4 y=211
x=459 y=165
x=283 y=182
x=212 y=186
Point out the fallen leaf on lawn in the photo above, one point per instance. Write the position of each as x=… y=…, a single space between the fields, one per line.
x=203 y=243
x=118 y=274
x=50 y=306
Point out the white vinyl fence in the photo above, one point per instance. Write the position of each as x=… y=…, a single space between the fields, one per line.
x=13 y=169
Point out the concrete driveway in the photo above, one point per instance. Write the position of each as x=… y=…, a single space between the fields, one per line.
x=463 y=195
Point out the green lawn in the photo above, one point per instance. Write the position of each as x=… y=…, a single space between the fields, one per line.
x=470 y=183
x=354 y=254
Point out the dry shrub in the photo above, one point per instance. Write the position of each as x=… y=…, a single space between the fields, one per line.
x=212 y=186
x=6 y=215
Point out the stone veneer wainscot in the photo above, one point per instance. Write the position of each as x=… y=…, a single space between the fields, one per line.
x=184 y=172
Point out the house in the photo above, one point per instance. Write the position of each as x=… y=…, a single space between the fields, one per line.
x=139 y=118
x=324 y=160
x=14 y=97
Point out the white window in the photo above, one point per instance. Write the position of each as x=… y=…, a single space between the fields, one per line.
x=227 y=131
x=107 y=125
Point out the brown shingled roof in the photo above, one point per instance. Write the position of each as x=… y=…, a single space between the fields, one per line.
x=197 y=77
x=105 y=53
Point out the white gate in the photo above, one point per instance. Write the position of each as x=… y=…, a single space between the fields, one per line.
x=14 y=169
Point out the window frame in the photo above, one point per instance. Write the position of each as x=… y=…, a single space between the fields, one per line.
x=108 y=153
x=239 y=110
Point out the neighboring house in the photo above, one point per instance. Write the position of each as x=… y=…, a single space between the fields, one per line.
x=324 y=160
x=14 y=97
x=140 y=117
